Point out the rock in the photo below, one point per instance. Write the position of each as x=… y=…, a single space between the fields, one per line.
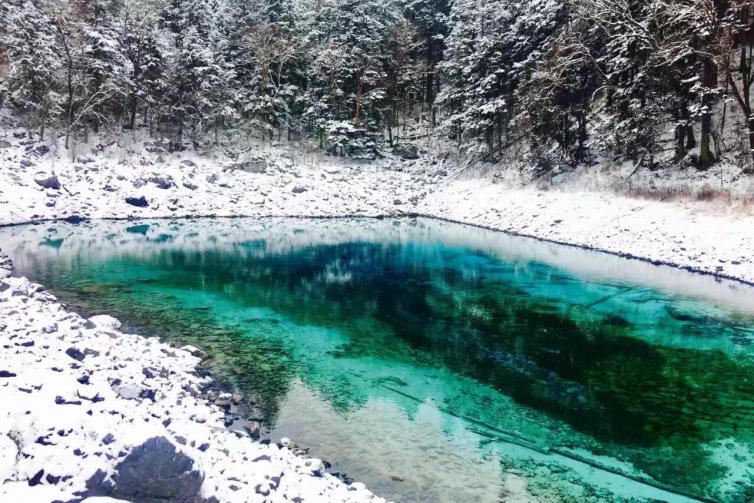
x=41 y=150
x=48 y=182
x=75 y=353
x=6 y=374
x=102 y=321
x=127 y=391
x=190 y=186
x=154 y=149
x=36 y=479
x=224 y=400
x=162 y=182
x=299 y=190
x=5 y=144
x=140 y=202
x=397 y=202
x=257 y=166
x=26 y=163
x=189 y=163
x=406 y=151
x=154 y=471
x=194 y=351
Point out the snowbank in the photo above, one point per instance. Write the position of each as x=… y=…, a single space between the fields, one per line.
x=696 y=236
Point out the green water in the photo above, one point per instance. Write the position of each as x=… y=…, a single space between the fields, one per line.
x=435 y=362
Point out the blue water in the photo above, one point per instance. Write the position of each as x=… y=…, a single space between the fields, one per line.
x=436 y=362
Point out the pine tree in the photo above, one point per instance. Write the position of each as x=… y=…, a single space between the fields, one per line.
x=33 y=82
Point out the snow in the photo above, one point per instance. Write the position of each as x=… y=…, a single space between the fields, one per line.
x=697 y=236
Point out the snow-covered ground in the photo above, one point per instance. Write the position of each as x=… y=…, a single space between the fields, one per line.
x=699 y=236
x=81 y=396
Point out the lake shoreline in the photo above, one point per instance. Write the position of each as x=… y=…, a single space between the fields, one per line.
x=624 y=255
x=52 y=449
x=705 y=237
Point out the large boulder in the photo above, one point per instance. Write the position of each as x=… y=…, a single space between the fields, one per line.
x=48 y=182
x=155 y=471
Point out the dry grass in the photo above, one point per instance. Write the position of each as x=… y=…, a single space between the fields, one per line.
x=688 y=193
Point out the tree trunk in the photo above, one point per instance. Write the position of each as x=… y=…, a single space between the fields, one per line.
x=357 y=112
x=750 y=122
x=709 y=80
x=390 y=127
x=430 y=92
x=132 y=109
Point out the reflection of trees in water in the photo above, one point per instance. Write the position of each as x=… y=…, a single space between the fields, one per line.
x=576 y=367
x=430 y=307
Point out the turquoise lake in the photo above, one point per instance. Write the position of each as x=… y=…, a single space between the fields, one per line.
x=437 y=362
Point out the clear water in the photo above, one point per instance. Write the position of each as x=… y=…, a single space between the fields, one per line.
x=436 y=362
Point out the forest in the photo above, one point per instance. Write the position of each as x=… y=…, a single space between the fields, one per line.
x=660 y=82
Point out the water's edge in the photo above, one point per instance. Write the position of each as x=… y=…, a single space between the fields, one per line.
x=628 y=256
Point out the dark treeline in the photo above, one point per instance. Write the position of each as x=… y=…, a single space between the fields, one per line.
x=578 y=81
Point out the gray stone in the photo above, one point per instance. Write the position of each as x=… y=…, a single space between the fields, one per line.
x=155 y=471
x=194 y=351
x=299 y=190
x=127 y=391
x=140 y=202
x=102 y=321
x=48 y=182
x=257 y=166
x=163 y=182
x=5 y=144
